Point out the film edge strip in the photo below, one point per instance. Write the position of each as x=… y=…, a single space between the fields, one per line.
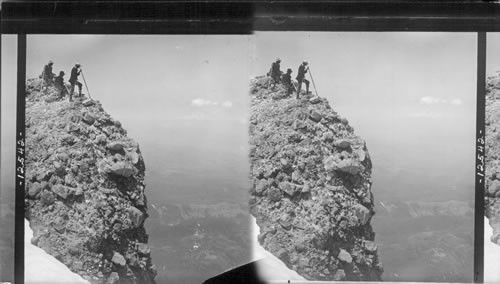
x=20 y=161
x=480 y=160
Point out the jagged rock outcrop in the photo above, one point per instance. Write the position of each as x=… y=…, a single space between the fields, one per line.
x=85 y=187
x=492 y=161
x=311 y=187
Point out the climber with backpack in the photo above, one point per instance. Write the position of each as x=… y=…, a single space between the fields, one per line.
x=275 y=73
x=301 y=77
x=47 y=75
x=73 y=80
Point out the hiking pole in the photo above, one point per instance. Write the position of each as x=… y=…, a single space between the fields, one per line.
x=86 y=84
x=314 y=85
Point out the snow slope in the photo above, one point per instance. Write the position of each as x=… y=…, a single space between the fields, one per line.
x=40 y=267
x=491 y=256
x=270 y=268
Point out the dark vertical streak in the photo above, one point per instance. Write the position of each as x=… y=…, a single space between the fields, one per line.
x=480 y=132
x=20 y=180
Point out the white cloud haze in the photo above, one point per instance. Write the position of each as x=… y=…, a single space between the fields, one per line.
x=428 y=100
x=202 y=102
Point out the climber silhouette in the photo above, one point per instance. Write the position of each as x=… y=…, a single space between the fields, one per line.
x=301 y=74
x=75 y=72
x=275 y=73
x=286 y=79
x=59 y=84
x=47 y=75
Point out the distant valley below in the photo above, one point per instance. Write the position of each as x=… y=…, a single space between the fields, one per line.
x=191 y=243
x=426 y=241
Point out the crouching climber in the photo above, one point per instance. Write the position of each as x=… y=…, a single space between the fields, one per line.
x=301 y=77
x=287 y=82
x=73 y=80
x=60 y=86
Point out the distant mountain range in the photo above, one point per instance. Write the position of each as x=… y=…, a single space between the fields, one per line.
x=417 y=209
x=174 y=214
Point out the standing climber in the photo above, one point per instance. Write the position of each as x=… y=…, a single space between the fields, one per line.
x=275 y=72
x=287 y=81
x=301 y=74
x=47 y=75
x=73 y=80
x=60 y=86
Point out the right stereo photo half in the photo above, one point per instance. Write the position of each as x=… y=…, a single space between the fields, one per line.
x=362 y=152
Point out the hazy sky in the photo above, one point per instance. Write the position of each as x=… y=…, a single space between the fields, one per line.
x=154 y=77
x=492 y=54
x=8 y=116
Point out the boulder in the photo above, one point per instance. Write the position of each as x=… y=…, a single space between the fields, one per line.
x=493 y=188
x=122 y=168
x=88 y=102
x=113 y=278
x=47 y=197
x=274 y=194
x=79 y=191
x=298 y=124
x=136 y=216
x=315 y=116
x=350 y=166
x=344 y=256
x=143 y=249
x=342 y=143
x=118 y=259
x=327 y=136
x=361 y=154
x=59 y=166
x=339 y=275
x=330 y=164
x=88 y=118
x=61 y=191
x=133 y=157
x=362 y=213
x=264 y=81
x=370 y=246
x=34 y=189
x=261 y=186
x=315 y=100
x=116 y=146
x=287 y=187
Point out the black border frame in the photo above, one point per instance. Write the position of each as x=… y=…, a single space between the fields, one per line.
x=244 y=17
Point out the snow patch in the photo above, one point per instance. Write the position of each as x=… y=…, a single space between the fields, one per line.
x=269 y=266
x=491 y=256
x=40 y=267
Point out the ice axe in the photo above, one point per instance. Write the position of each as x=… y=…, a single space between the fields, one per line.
x=86 y=87
x=314 y=85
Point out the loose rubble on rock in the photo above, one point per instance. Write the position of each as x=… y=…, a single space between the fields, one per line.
x=492 y=161
x=85 y=189
x=311 y=186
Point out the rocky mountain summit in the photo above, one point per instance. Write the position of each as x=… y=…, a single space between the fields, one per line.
x=85 y=187
x=311 y=181
x=492 y=161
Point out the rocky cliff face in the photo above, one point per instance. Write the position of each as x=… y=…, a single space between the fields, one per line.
x=311 y=187
x=492 y=167
x=85 y=189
